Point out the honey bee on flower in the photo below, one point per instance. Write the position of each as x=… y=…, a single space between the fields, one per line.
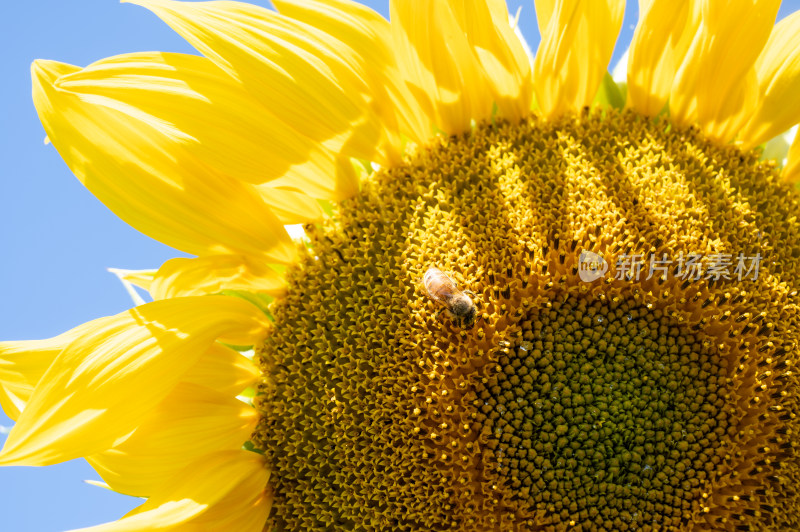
x=444 y=291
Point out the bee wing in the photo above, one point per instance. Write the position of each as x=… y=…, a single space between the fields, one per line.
x=439 y=286
x=425 y=281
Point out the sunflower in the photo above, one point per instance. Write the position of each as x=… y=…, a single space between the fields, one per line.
x=318 y=384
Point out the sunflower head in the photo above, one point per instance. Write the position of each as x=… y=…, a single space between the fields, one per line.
x=525 y=297
x=619 y=403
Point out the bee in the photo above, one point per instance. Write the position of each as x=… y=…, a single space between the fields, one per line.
x=444 y=291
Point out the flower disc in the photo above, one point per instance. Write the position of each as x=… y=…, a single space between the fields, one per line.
x=645 y=399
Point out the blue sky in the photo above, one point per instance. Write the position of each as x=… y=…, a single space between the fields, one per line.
x=57 y=240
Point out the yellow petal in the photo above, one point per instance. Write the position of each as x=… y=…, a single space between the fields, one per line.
x=224 y=370
x=791 y=172
x=214 y=273
x=140 y=278
x=369 y=37
x=23 y=363
x=544 y=13
x=190 y=422
x=439 y=65
x=578 y=39
x=129 y=287
x=291 y=67
x=716 y=84
x=291 y=207
x=140 y=168
x=662 y=37
x=83 y=404
x=218 y=121
x=778 y=74
x=226 y=490
x=505 y=63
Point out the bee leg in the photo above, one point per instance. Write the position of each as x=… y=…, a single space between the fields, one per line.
x=470 y=293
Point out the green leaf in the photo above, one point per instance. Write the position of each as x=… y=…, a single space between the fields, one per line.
x=609 y=94
x=249 y=446
x=327 y=206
